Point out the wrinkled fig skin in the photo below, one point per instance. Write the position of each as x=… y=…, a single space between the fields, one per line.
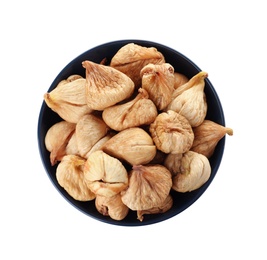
x=133 y=145
x=191 y=103
x=165 y=206
x=105 y=86
x=207 y=136
x=72 y=147
x=57 y=138
x=149 y=186
x=68 y=99
x=131 y=58
x=111 y=206
x=139 y=111
x=172 y=133
x=105 y=175
x=179 y=79
x=70 y=176
x=173 y=163
x=197 y=79
x=158 y=80
x=195 y=170
x=99 y=145
x=89 y=130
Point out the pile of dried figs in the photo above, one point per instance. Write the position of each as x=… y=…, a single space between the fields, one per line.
x=131 y=131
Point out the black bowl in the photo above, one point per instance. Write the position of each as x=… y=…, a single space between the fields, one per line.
x=182 y=64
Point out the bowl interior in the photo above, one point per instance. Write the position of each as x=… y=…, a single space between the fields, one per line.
x=181 y=64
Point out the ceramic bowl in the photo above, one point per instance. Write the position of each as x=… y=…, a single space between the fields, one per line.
x=182 y=64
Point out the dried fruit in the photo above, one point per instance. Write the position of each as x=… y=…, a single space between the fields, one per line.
x=105 y=86
x=195 y=170
x=134 y=112
x=70 y=176
x=149 y=186
x=133 y=145
x=99 y=145
x=131 y=58
x=179 y=79
x=158 y=80
x=173 y=162
x=105 y=175
x=89 y=130
x=57 y=138
x=139 y=111
x=72 y=147
x=191 y=103
x=207 y=136
x=68 y=99
x=111 y=206
x=172 y=133
x=165 y=206
x=187 y=85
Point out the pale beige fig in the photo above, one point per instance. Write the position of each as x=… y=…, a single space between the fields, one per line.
x=111 y=206
x=195 y=170
x=89 y=130
x=139 y=111
x=165 y=206
x=70 y=176
x=173 y=162
x=191 y=103
x=70 y=79
x=149 y=186
x=131 y=58
x=207 y=136
x=158 y=81
x=105 y=175
x=133 y=145
x=179 y=79
x=172 y=133
x=99 y=145
x=72 y=147
x=68 y=99
x=105 y=86
x=198 y=78
x=57 y=138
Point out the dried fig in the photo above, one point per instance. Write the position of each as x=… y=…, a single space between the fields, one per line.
x=99 y=145
x=111 y=206
x=105 y=86
x=105 y=175
x=173 y=162
x=139 y=111
x=179 y=79
x=149 y=187
x=131 y=58
x=207 y=136
x=68 y=99
x=187 y=85
x=158 y=80
x=57 y=138
x=70 y=176
x=191 y=103
x=133 y=145
x=195 y=170
x=165 y=206
x=89 y=130
x=172 y=133
x=72 y=147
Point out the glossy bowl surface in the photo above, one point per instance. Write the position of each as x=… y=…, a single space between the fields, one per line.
x=181 y=64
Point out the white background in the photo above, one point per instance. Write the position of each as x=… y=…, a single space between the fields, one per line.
x=225 y=38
